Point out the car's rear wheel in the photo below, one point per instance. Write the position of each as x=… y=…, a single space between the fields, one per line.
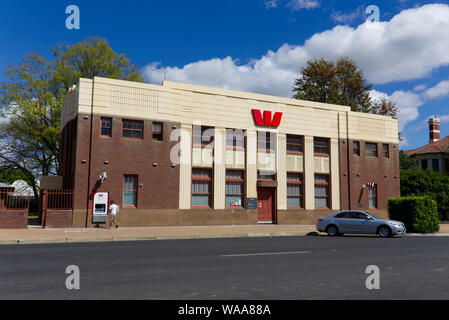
x=332 y=231
x=384 y=232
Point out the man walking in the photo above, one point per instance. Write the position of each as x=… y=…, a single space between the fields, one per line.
x=113 y=210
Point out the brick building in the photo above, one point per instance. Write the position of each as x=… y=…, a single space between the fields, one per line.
x=435 y=154
x=181 y=154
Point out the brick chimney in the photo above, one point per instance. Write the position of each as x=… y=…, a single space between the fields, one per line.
x=434 y=129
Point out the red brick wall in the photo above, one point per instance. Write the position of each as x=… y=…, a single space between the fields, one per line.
x=176 y=217
x=14 y=219
x=80 y=180
x=58 y=219
x=159 y=193
x=68 y=153
x=382 y=171
x=158 y=185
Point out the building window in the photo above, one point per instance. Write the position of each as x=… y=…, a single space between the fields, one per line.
x=201 y=188
x=106 y=127
x=356 y=148
x=294 y=144
x=372 y=197
x=371 y=149
x=321 y=146
x=294 y=190
x=262 y=176
x=424 y=164
x=234 y=188
x=436 y=165
x=385 y=150
x=132 y=129
x=321 y=191
x=266 y=142
x=202 y=136
x=235 y=139
x=157 y=131
x=130 y=191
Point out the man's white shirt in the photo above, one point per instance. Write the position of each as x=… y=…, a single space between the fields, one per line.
x=113 y=209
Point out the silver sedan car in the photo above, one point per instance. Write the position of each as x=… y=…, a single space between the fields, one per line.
x=359 y=222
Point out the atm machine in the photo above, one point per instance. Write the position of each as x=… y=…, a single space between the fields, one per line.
x=99 y=207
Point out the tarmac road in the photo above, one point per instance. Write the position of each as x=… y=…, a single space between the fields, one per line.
x=315 y=267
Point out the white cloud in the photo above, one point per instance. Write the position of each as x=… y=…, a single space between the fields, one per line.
x=409 y=46
x=438 y=91
x=297 y=5
x=407 y=102
x=444 y=118
x=346 y=18
x=404 y=142
x=377 y=95
x=267 y=75
x=419 y=87
x=269 y=4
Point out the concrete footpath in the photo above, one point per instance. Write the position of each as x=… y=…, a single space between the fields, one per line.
x=37 y=235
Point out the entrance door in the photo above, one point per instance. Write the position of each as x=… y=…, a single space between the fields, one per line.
x=265 y=205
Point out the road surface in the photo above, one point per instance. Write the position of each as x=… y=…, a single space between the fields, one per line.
x=315 y=267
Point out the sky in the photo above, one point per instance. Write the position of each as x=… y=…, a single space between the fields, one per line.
x=258 y=45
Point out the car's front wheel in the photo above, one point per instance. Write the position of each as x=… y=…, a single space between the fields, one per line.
x=384 y=232
x=332 y=231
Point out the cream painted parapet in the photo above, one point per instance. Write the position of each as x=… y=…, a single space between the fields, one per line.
x=185 y=170
x=134 y=99
x=309 y=173
x=86 y=96
x=78 y=100
x=343 y=125
x=185 y=103
x=219 y=168
x=372 y=127
x=251 y=164
x=335 y=174
x=282 y=171
x=70 y=106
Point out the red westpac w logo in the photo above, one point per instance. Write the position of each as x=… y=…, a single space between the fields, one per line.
x=266 y=120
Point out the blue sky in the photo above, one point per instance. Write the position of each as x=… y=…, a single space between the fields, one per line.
x=258 y=45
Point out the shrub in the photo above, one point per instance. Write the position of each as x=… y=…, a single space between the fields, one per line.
x=418 y=213
x=427 y=183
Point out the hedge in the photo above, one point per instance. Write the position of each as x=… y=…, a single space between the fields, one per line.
x=418 y=213
x=427 y=183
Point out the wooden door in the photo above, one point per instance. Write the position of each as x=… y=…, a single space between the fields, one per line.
x=265 y=205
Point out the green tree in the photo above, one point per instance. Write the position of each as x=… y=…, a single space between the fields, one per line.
x=384 y=107
x=32 y=96
x=90 y=58
x=406 y=162
x=427 y=182
x=9 y=175
x=339 y=82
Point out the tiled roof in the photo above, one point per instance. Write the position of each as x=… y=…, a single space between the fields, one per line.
x=439 y=146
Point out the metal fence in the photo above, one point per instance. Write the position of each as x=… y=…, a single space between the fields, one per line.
x=55 y=200
x=14 y=200
x=59 y=199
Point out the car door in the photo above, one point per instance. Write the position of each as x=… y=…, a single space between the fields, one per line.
x=345 y=222
x=362 y=223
